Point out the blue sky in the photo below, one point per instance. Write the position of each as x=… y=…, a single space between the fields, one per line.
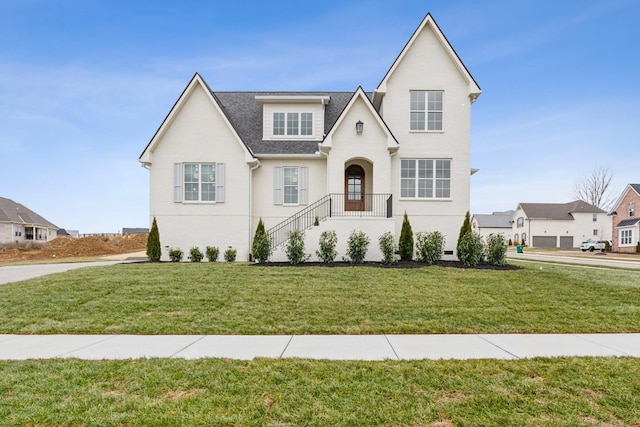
x=84 y=84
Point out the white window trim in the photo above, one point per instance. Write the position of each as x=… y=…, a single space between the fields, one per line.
x=426 y=199
x=179 y=183
x=286 y=135
x=630 y=237
x=278 y=184
x=426 y=112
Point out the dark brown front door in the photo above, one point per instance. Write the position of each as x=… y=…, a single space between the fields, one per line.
x=354 y=188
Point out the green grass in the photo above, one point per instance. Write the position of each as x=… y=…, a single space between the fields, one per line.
x=537 y=392
x=224 y=298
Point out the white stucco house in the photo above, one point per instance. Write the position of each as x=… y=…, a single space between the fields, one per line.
x=19 y=224
x=495 y=223
x=221 y=161
x=559 y=225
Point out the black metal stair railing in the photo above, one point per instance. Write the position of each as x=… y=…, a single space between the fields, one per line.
x=332 y=205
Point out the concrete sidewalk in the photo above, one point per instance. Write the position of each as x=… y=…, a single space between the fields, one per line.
x=329 y=347
x=16 y=273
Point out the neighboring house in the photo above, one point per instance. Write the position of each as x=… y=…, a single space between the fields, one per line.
x=496 y=223
x=626 y=220
x=19 y=223
x=559 y=225
x=221 y=161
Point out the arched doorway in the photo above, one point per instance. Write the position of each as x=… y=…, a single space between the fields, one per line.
x=354 y=188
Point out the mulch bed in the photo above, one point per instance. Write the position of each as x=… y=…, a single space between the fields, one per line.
x=399 y=265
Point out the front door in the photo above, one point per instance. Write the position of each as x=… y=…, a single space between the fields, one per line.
x=354 y=188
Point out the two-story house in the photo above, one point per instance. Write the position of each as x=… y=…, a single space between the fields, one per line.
x=221 y=161
x=626 y=220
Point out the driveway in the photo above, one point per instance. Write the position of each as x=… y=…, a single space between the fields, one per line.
x=595 y=259
x=16 y=273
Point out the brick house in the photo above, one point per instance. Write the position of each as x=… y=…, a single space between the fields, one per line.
x=626 y=220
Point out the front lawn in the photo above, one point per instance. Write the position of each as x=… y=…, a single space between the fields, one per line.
x=288 y=392
x=224 y=298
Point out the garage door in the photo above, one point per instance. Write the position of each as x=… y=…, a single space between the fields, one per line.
x=544 y=241
x=566 y=242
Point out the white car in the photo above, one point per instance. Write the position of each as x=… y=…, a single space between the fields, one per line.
x=600 y=245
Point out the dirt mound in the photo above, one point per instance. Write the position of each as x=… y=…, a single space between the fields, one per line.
x=68 y=247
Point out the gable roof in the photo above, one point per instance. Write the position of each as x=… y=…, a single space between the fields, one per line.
x=245 y=114
x=16 y=213
x=628 y=222
x=558 y=211
x=360 y=94
x=495 y=220
x=429 y=22
x=634 y=187
x=195 y=81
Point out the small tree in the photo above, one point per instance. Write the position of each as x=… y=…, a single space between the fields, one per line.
x=327 y=251
x=465 y=229
x=386 y=242
x=429 y=247
x=357 y=247
x=154 y=250
x=295 y=247
x=261 y=247
x=496 y=249
x=405 y=244
x=470 y=249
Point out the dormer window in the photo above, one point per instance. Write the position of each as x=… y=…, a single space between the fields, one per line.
x=292 y=124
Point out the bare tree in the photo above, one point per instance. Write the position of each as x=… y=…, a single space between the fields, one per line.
x=594 y=188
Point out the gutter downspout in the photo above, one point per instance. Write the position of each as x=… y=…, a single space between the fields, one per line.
x=251 y=169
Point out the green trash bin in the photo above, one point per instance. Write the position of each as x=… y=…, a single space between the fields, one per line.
x=519 y=249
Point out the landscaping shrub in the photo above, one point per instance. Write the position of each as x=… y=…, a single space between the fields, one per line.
x=175 y=254
x=212 y=253
x=261 y=247
x=386 y=242
x=465 y=229
x=295 y=247
x=195 y=254
x=357 y=247
x=230 y=255
x=429 y=247
x=327 y=251
x=154 y=250
x=638 y=248
x=607 y=246
x=496 y=249
x=470 y=249
x=405 y=244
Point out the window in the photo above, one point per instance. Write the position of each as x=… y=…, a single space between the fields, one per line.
x=595 y=232
x=426 y=108
x=595 y=217
x=290 y=185
x=292 y=124
x=520 y=222
x=632 y=209
x=626 y=237
x=425 y=178
x=524 y=238
x=198 y=182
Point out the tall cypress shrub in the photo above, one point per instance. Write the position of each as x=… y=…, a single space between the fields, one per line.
x=154 y=250
x=261 y=247
x=465 y=229
x=405 y=244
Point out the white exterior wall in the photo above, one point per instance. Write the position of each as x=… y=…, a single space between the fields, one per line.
x=199 y=134
x=431 y=68
x=263 y=189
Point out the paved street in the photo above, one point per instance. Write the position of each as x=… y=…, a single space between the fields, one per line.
x=591 y=259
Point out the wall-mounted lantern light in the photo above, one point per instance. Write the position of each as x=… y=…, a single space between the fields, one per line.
x=359 y=127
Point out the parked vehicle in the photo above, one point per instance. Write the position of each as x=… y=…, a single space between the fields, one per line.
x=591 y=246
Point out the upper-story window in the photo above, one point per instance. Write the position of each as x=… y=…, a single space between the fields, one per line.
x=292 y=124
x=632 y=209
x=595 y=217
x=520 y=222
x=426 y=110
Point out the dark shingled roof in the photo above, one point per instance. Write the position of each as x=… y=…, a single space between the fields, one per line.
x=558 y=211
x=245 y=115
x=636 y=187
x=628 y=222
x=13 y=212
